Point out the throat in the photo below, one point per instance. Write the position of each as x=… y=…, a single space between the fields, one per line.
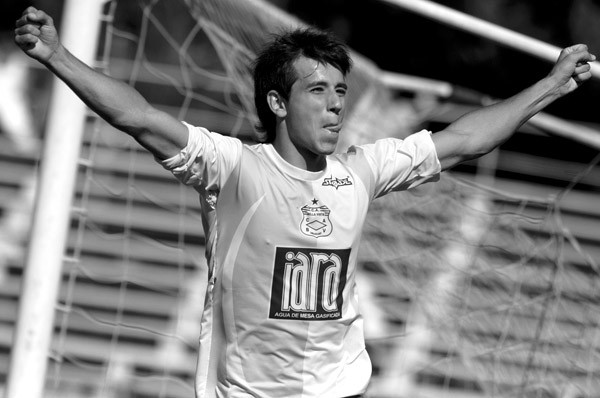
x=317 y=164
x=303 y=159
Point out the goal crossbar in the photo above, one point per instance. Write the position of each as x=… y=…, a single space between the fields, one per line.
x=485 y=29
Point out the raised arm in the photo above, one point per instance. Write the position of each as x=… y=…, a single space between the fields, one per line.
x=113 y=100
x=478 y=132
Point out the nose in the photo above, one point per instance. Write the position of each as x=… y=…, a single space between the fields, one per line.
x=336 y=103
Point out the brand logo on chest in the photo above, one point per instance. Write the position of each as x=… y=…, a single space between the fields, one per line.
x=336 y=182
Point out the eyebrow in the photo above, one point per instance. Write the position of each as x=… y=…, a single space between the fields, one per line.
x=325 y=83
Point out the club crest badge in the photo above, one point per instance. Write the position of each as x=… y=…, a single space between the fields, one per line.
x=315 y=220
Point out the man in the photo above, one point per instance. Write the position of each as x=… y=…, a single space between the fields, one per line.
x=283 y=218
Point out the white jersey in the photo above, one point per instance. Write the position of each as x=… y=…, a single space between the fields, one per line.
x=281 y=315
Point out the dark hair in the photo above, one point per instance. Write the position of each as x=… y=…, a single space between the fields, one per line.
x=274 y=69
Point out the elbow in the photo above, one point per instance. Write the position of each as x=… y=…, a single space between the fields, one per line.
x=463 y=153
x=478 y=152
x=131 y=123
x=451 y=161
x=478 y=145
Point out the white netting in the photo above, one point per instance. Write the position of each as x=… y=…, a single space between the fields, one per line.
x=467 y=290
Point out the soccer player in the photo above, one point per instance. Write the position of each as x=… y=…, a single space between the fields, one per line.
x=283 y=217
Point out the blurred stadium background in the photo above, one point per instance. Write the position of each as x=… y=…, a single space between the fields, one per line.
x=484 y=285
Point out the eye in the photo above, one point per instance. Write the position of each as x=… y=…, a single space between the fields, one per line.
x=341 y=92
x=317 y=89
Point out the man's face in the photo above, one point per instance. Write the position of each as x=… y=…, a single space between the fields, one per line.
x=315 y=108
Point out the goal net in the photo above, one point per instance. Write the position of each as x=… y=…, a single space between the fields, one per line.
x=484 y=284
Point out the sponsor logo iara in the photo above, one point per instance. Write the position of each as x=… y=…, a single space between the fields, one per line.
x=308 y=283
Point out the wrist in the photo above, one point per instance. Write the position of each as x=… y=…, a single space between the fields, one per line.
x=56 y=56
x=548 y=89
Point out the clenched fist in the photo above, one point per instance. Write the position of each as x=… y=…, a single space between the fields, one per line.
x=36 y=35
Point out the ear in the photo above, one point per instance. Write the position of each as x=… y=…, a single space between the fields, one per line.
x=276 y=103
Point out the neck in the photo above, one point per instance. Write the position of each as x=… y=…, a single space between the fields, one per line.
x=298 y=158
x=295 y=155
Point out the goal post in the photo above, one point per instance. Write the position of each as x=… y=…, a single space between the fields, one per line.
x=42 y=273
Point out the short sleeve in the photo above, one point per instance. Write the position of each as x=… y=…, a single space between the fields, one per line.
x=402 y=164
x=207 y=160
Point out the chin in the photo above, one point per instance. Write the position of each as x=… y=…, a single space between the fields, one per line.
x=328 y=151
x=329 y=146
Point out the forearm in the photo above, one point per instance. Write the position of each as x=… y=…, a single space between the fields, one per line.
x=113 y=100
x=490 y=126
x=116 y=102
x=479 y=132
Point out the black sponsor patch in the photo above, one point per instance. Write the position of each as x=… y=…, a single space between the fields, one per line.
x=308 y=283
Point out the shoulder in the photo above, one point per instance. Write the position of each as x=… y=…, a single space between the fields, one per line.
x=421 y=141
x=198 y=134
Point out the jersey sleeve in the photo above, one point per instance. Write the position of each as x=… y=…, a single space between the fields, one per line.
x=207 y=160
x=402 y=164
